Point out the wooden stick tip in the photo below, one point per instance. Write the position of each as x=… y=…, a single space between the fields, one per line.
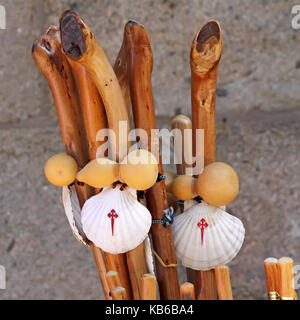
x=133 y=22
x=111 y=273
x=118 y=289
x=135 y=32
x=285 y=260
x=187 y=285
x=208 y=30
x=270 y=260
x=72 y=36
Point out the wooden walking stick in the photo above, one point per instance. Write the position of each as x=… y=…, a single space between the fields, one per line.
x=47 y=54
x=79 y=44
x=183 y=151
x=149 y=289
x=95 y=119
x=223 y=283
x=205 y=56
x=140 y=62
x=187 y=291
x=113 y=280
x=286 y=278
x=119 y=293
x=272 y=278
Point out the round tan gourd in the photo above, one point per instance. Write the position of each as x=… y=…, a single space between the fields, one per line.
x=61 y=170
x=170 y=177
x=139 y=169
x=183 y=187
x=218 y=184
x=99 y=173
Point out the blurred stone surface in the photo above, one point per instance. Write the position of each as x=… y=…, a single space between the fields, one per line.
x=258 y=95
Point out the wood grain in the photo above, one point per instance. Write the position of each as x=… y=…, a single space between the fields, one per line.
x=79 y=44
x=48 y=56
x=140 y=63
x=286 y=278
x=149 y=287
x=119 y=293
x=205 y=56
x=223 y=283
x=95 y=119
x=187 y=291
x=272 y=278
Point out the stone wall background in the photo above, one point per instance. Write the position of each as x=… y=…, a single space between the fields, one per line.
x=258 y=94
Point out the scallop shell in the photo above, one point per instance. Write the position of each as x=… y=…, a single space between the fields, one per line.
x=206 y=236
x=115 y=221
x=73 y=213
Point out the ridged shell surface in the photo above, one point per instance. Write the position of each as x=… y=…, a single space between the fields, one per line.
x=115 y=221
x=73 y=213
x=206 y=236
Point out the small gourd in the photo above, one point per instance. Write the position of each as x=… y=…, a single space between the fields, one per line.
x=183 y=187
x=218 y=184
x=139 y=169
x=99 y=173
x=61 y=170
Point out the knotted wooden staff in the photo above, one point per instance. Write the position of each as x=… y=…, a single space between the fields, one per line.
x=79 y=44
x=49 y=58
x=140 y=63
x=205 y=56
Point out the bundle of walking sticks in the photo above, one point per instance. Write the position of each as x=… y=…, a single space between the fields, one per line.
x=91 y=95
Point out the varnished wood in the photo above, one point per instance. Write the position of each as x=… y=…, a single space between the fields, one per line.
x=187 y=291
x=113 y=280
x=79 y=44
x=136 y=262
x=49 y=58
x=117 y=110
x=92 y=106
x=149 y=287
x=119 y=293
x=272 y=278
x=205 y=56
x=95 y=120
x=223 y=283
x=140 y=63
x=208 y=287
x=183 y=151
x=286 y=278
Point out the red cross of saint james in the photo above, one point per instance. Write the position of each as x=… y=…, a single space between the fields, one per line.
x=112 y=215
x=202 y=225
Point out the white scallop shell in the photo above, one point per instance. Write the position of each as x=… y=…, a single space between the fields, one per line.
x=219 y=243
x=123 y=233
x=73 y=213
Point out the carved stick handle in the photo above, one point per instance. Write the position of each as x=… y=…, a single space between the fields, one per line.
x=205 y=56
